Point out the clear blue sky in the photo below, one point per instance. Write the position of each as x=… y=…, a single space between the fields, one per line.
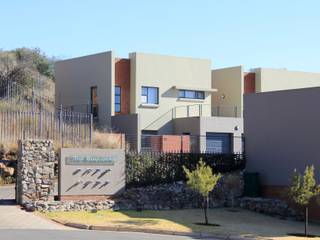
x=254 y=33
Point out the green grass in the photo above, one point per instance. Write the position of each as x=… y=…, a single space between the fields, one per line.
x=241 y=223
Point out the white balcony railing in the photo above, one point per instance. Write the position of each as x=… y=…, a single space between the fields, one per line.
x=206 y=110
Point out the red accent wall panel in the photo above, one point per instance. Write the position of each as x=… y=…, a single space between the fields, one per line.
x=249 y=82
x=122 y=79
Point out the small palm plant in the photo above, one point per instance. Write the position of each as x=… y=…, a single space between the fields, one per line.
x=303 y=188
x=203 y=181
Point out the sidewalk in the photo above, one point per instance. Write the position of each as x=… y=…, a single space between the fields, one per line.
x=12 y=217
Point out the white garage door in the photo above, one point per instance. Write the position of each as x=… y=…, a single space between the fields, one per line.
x=218 y=143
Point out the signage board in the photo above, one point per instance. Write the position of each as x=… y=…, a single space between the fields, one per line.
x=91 y=172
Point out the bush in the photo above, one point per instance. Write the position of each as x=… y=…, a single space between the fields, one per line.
x=143 y=169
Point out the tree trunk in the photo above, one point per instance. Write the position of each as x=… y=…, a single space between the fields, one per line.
x=206 y=205
x=232 y=200
x=306 y=217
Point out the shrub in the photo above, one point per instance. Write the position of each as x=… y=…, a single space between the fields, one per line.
x=203 y=181
x=303 y=188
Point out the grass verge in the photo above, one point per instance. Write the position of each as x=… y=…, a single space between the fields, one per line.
x=241 y=224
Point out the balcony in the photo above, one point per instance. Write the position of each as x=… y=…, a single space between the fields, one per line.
x=206 y=110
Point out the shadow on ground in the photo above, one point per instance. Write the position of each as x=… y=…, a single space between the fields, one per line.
x=241 y=223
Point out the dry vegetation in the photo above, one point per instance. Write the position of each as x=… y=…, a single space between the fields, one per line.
x=99 y=140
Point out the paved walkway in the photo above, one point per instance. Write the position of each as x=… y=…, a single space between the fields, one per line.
x=12 y=217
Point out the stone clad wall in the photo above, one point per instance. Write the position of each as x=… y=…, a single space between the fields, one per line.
x=159 y=197
x=35 y=171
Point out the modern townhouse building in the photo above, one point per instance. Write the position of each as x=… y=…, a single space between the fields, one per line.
x=234 y=82
x=153 y=99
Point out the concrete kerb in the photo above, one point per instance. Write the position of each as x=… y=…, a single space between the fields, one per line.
x=152 y=231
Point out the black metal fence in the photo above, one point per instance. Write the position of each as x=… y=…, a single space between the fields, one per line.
x=143 y=169
x=220 y=143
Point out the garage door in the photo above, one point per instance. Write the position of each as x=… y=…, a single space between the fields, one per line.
x=218 y=142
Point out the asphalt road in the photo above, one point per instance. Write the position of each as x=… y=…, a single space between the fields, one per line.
x=7 y=234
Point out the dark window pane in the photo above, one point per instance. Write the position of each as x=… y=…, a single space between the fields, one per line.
x=117 y=99
x=181 y=93
x=200 y=95
x=144 y=91
x=153 y=95
x=117 y=108
x=117 y=91
x=149 y=95
x=190 y=94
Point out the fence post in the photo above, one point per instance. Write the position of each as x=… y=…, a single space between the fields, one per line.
x=60 y=126
x=91 y=127
x=40 y=122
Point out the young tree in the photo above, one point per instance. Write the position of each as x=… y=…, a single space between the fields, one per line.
x=232 y=183
x=302 y=189
x=203 y=181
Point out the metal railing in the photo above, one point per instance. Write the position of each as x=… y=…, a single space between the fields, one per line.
x=61 y=126
x=16 y=97
x=199 y=110
x=82 y=108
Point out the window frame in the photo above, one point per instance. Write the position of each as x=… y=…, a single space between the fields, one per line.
x=115 y=95
x=146 y=95
x=182 y=94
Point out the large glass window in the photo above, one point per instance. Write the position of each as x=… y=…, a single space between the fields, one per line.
x=190 y=94
x=150 y=95
x=117 y=99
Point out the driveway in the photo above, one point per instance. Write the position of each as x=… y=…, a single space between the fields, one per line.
x=12 y=217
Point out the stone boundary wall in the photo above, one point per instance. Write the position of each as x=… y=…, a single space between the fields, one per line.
x=82 y=205
x=35 y=171
x=270 y=206
x=160 y=197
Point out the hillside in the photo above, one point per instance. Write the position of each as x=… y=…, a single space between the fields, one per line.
x=23 y=70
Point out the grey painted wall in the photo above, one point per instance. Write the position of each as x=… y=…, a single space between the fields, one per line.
x=282 y=133
x=128 y=124
x=74 y=77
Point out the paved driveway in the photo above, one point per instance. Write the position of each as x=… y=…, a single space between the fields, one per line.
x=12 y=217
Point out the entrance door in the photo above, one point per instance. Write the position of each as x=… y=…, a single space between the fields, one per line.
x=218 y=143
x=94 y=101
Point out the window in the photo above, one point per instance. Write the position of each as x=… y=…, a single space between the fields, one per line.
x=150 y=95
x=117 y=99
x=94 y=101
x=190 y=94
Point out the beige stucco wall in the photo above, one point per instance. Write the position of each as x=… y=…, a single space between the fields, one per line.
x=268 y=79
x=165 y=72
x=228 y=101
x=74 y=77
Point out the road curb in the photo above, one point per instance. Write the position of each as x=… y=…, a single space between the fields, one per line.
x=152 y=231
